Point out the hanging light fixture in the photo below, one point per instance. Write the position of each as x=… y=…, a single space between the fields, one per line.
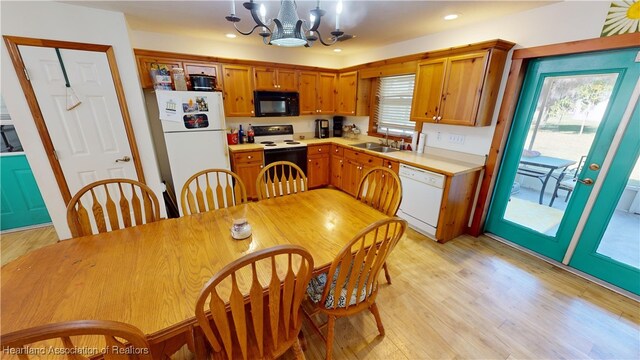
x=287 y=29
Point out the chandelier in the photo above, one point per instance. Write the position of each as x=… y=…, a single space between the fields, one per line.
x=287 y=29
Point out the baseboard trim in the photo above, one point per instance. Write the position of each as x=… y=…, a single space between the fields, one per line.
x=30 y=227
x=562 y=266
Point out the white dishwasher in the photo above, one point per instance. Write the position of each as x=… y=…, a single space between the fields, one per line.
x=421 y=199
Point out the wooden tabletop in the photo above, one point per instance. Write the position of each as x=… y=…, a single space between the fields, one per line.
x=547 y=162
x=150 y=276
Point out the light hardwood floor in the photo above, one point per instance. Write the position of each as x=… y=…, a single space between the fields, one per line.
x=470 y=299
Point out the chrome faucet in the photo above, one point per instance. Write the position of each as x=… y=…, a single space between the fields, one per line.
x=385 y=142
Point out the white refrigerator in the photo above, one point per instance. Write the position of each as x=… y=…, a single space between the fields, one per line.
x=194 y=130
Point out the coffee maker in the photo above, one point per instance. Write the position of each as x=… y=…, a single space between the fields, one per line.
x=337 y=126
x=322 y=128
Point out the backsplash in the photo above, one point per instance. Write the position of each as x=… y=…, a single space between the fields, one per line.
x=466 y=139
x=301 y=124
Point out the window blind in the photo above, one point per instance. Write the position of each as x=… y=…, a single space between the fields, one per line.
x=394 y=105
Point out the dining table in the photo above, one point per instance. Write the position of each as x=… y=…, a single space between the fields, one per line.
x=542 y=168
x=150 y=275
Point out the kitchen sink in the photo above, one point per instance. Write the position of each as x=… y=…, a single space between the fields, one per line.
x=384 y=149
x=367 y=145
x=375 y=147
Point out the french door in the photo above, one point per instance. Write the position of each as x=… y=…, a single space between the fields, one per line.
x=574 y=113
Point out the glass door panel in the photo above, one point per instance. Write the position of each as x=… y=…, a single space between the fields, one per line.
x=609 y=246
x=621 y=239
x=567 y=115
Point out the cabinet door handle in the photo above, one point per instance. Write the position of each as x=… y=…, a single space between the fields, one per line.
x=439 y=118
x=319 y=150
x=435 y=118
x=249 y=157
x=309 y=160
x=389 y=167
x=261 y=166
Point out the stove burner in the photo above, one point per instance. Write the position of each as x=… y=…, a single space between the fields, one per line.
x=289 y=141
x=267 y=142
x=292 y=142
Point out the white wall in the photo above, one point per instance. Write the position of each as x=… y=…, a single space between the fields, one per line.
x=51 y=20
x=209 y=47
x=554 y=23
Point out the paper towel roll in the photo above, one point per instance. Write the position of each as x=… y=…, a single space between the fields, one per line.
x=414 y=141
x=422 y=139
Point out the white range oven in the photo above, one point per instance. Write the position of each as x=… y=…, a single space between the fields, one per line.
x=279 y=145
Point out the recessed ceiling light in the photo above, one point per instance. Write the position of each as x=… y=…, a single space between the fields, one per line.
x=337 y=50
x=451 y=17
x=231 y=36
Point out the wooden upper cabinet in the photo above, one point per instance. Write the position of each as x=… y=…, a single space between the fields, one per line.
x=287 y=80
x=238 y=92
x=427 y=91
x=347 y=93
x=458 y=90
x=145 y=64
x=307 y=87
x=264 y=78
x=274 y=79
x=463 y=88
x=326 y=91
x=317 y=93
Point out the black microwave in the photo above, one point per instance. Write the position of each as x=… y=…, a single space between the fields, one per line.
x=276 y=103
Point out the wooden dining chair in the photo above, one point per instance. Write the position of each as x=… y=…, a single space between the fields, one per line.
x=279 y=179
x=210 y=190
x=134 y=346
x=265 y=325
x=132 y=197
x=381 y=189
x=351 y=284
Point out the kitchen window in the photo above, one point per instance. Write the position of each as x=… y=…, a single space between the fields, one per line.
x=393 y=100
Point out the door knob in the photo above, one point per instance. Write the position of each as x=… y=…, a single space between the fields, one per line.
x=594 y=166
x=586 y=181
x=124 y=159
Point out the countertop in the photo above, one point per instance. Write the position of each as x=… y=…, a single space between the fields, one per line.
x=446 y=162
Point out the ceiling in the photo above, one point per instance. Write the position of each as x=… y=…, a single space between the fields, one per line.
x=374 y=23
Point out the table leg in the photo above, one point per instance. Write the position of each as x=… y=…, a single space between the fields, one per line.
x=544 y=185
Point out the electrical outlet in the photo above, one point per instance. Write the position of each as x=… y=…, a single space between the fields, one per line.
x=456 y=139
x=439 y=136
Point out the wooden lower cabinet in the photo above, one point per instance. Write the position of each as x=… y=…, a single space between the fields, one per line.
x=392 y=165
x=356 y=163
x=337 y=165
x=318 y=165
x=247 y=165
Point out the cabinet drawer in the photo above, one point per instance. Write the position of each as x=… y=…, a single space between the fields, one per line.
x=318 y=149
x=391 y=164
x=337 y=150
x=363 y=158
x=248 y=157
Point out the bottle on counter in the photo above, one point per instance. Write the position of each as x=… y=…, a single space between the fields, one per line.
x=240 y=135
x=250 y=135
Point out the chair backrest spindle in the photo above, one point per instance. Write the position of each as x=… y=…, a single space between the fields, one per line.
x=381 y=189
x=280 y=178
x=243 y=327
x=199 y=194
x=110 y=217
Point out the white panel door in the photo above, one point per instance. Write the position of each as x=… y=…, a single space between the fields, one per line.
x=91 y=137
